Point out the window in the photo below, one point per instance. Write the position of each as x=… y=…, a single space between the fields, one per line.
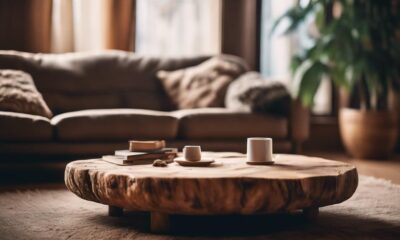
x=178 y=27
x=277 y=50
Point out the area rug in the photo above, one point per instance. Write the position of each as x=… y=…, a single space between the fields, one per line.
x=372 y=213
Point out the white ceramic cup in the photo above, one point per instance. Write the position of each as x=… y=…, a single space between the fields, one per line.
x=259 y=149
x=192 y=153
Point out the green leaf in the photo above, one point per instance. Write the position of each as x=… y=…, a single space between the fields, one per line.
x=320 y=18
x=295 y=15
x=295 y=63
x=310 y=80
x=338 y=76
x=360 y=43
x=289 y=16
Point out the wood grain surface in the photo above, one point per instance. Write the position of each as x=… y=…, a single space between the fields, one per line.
x=229 y=186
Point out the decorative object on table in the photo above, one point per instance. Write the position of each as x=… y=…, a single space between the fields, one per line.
x=150 y=151
x=298 y=183
x=251 y=92
x=160 y=163
x=139 y=158
x=139 y=146
x=150 y=154
x=192 y=157
x=357 y=48
x=203 y=85
x=192 y=153
x=18 y=93
x=259 y=151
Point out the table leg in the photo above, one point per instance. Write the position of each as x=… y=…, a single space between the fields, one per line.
x=159 y=222
x=311 y=213
x=115 y=211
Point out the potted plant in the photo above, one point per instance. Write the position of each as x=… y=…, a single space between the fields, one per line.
x=358 y=47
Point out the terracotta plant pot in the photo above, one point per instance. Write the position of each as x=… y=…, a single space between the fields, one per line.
x=368 y=134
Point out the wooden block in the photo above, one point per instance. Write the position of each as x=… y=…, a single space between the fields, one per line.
x=115 y=211
x=139 y=146
x=159 y=222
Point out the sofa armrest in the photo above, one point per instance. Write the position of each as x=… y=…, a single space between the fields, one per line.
x=299 y=124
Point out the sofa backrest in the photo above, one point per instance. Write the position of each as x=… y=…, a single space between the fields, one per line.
x=90 y=80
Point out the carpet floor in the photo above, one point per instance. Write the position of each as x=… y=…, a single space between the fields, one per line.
x=372 y=213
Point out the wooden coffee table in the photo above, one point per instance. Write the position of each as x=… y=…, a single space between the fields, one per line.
x=230 y=186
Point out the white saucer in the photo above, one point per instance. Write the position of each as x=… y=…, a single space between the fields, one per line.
x=202 y=163
x=260 y=163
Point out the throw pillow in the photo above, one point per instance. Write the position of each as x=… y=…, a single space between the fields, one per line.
x=252 y=93
x=19 y=94
x=203 y=85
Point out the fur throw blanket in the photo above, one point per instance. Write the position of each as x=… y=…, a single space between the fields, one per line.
x=252 y=93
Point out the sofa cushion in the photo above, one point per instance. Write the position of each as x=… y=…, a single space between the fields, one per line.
x=203 y=85
x=24 y=127
x=221 y=123
x=115 y=124
x=18 y=93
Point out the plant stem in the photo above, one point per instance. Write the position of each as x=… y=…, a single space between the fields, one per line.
x=365 y=97
x=383 y=99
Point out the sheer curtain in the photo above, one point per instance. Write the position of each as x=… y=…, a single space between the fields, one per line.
x=83 y=25
x=178 y=27
x=276 y=49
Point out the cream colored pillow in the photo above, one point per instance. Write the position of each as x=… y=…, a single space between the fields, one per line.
x=19 y=94
x=203 y=85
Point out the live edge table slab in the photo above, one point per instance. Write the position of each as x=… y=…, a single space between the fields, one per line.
x=230 y=186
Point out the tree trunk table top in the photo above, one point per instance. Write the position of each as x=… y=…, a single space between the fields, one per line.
x=229 y=186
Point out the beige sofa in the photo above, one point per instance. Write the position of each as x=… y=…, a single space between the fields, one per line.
x=101 y=100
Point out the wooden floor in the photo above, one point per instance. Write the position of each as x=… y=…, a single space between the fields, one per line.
x=386 y=169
